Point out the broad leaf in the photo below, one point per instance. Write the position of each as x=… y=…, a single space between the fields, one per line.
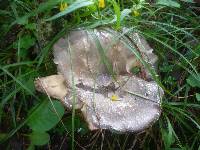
x=39 y=138
x=194 y=80
x=31 y=147
x=198 y=97
x=46 y=116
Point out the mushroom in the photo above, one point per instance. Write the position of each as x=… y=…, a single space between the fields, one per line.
x=94 y=74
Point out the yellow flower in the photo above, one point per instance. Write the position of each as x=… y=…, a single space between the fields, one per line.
x=136 y=13
x=114 y=98
x=101 y=3
x=63 y=6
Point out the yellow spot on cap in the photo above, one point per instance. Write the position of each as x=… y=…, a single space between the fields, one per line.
x=114 y=98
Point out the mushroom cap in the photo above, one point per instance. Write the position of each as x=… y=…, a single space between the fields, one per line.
x=136 y=105
x=125 y=103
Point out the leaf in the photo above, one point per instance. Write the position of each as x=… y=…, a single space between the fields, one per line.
x=31 y=26
x=2 y=136
x=22 y=20
x=23 y=53
x=118 y=14
x=46 y=6
x=198 y=97
x=169 y=3
x=45 y=117
x=167 y=135
x=39 y=138
x=31 y=147
x=26 y=42
x=19 y=82
x=194 y=80
x=43 y=7
x=166 y=67
x=76 y=5
x=4 y=12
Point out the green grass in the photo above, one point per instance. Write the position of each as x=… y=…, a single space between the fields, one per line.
x=28 y=30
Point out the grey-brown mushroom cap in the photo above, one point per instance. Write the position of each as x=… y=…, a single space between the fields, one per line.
x=126 y=104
